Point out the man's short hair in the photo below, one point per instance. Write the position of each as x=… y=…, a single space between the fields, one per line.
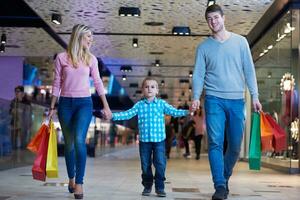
x=20 y=88
x=149 y=78
x=213 y=8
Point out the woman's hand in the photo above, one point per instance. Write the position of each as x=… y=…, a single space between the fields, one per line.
x=107 y=114
x=51 y=113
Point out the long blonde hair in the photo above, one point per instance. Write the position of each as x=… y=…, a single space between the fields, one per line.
x=75 y=49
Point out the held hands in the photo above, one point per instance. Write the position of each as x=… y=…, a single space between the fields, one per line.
x=107 y=114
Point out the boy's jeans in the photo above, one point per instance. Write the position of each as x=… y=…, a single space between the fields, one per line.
x=223 y=115
x=159 y=162
x=75 y=116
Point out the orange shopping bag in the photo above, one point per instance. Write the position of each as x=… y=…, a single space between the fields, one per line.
x=266 y=133
x=36 y=140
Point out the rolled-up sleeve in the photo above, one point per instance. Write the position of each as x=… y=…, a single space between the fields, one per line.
x=57 y=82
x=96 y=77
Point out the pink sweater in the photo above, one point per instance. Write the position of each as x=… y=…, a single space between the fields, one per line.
x=74 y=82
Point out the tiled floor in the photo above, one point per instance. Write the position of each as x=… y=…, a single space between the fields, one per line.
x=116 y=176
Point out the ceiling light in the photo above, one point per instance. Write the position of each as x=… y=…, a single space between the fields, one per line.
x=162 y=83
x=135 y=42
x=191 y=74
x=124 y=77
x=190 y=88
x=210 y=2
x=270 y=47
x=56 y=18
x=2 y=48
x=157 y=63
x=129 y=11
x=3 y=38
x=181 y=30
x=126 y=68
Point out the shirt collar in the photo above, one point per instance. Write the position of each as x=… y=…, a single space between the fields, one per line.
x=155 y=100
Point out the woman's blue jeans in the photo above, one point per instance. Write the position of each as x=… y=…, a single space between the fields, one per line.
x=157 y=150
x=75 y=115
x=223 y=116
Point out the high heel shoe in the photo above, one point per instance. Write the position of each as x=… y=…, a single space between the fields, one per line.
x=78 y=196
x=71 y=189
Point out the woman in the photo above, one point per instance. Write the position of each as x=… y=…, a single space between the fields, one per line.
x=199 y=130
x=71 y=83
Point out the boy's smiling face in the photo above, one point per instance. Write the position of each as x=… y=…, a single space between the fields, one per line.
x=150 y=89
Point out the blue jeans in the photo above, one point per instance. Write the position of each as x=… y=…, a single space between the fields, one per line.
x=223 y=116
x=75 y=115
x=159 y=162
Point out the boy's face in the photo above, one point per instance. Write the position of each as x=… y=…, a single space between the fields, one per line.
x=215 y=21
x=150 y=89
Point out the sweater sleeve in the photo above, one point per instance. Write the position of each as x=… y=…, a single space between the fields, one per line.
x=198 y=74
x=57 y=82
x=96 y=77
x=249 y=70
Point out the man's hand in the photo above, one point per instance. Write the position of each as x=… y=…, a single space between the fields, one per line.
x=257 y=106
x=195 y=105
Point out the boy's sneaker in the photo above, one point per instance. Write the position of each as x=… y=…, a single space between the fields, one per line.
x=146 y=192
x=220 y=193
x=161 y=193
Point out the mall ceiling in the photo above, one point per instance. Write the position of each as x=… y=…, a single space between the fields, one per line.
x=38 y=40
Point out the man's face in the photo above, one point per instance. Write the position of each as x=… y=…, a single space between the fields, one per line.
x=150 y=89
x=215 y=21
x=19 y=94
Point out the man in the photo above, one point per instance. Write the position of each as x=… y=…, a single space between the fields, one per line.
x=20 y=110
x=223 y=65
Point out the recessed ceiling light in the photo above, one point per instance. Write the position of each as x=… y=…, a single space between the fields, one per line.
x=129 y=11
x=181 y=30
x=56 y=18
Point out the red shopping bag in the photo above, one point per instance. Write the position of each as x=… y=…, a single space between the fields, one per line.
x=34 y=144
x=39 y=165
x=279 y=139
x=266 y=133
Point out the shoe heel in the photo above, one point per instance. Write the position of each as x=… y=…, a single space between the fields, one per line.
x=78 y=196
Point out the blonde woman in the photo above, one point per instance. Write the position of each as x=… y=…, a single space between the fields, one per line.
x=71 y=83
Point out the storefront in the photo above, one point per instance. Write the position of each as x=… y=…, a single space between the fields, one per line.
x=277 y=62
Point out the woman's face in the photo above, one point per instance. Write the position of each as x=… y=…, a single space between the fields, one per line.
x=87 y=40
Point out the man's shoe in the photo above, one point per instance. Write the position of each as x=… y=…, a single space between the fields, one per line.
x=161 y=193
x=146 y=192
x=220 y=193
x=227 y=189
x=197 y=157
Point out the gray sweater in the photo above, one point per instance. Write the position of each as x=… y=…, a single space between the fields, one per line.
x=224 y=68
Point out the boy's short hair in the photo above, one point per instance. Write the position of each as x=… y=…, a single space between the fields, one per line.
x=19 y=88
x=149 y=78
x=213 y=8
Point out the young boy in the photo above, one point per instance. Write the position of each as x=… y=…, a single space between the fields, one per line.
x=151 y=124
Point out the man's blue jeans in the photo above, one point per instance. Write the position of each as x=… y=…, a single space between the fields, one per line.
x=223 y=116
x=157 y=149
x=75 y=115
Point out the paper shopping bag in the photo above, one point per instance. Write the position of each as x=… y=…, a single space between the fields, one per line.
x=279 y=139
x=34 y=144
x=266 y=133
x=52 y=164
x=255 y=143
x=39 y=165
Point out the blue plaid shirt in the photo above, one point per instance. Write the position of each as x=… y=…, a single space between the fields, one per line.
x=151 y=120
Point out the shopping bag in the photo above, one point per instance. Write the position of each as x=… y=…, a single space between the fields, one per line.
x=39 y=165
x=279 y=135
x=266 y=133
x=52 y=164
x=34 y=144
x=255 y=143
